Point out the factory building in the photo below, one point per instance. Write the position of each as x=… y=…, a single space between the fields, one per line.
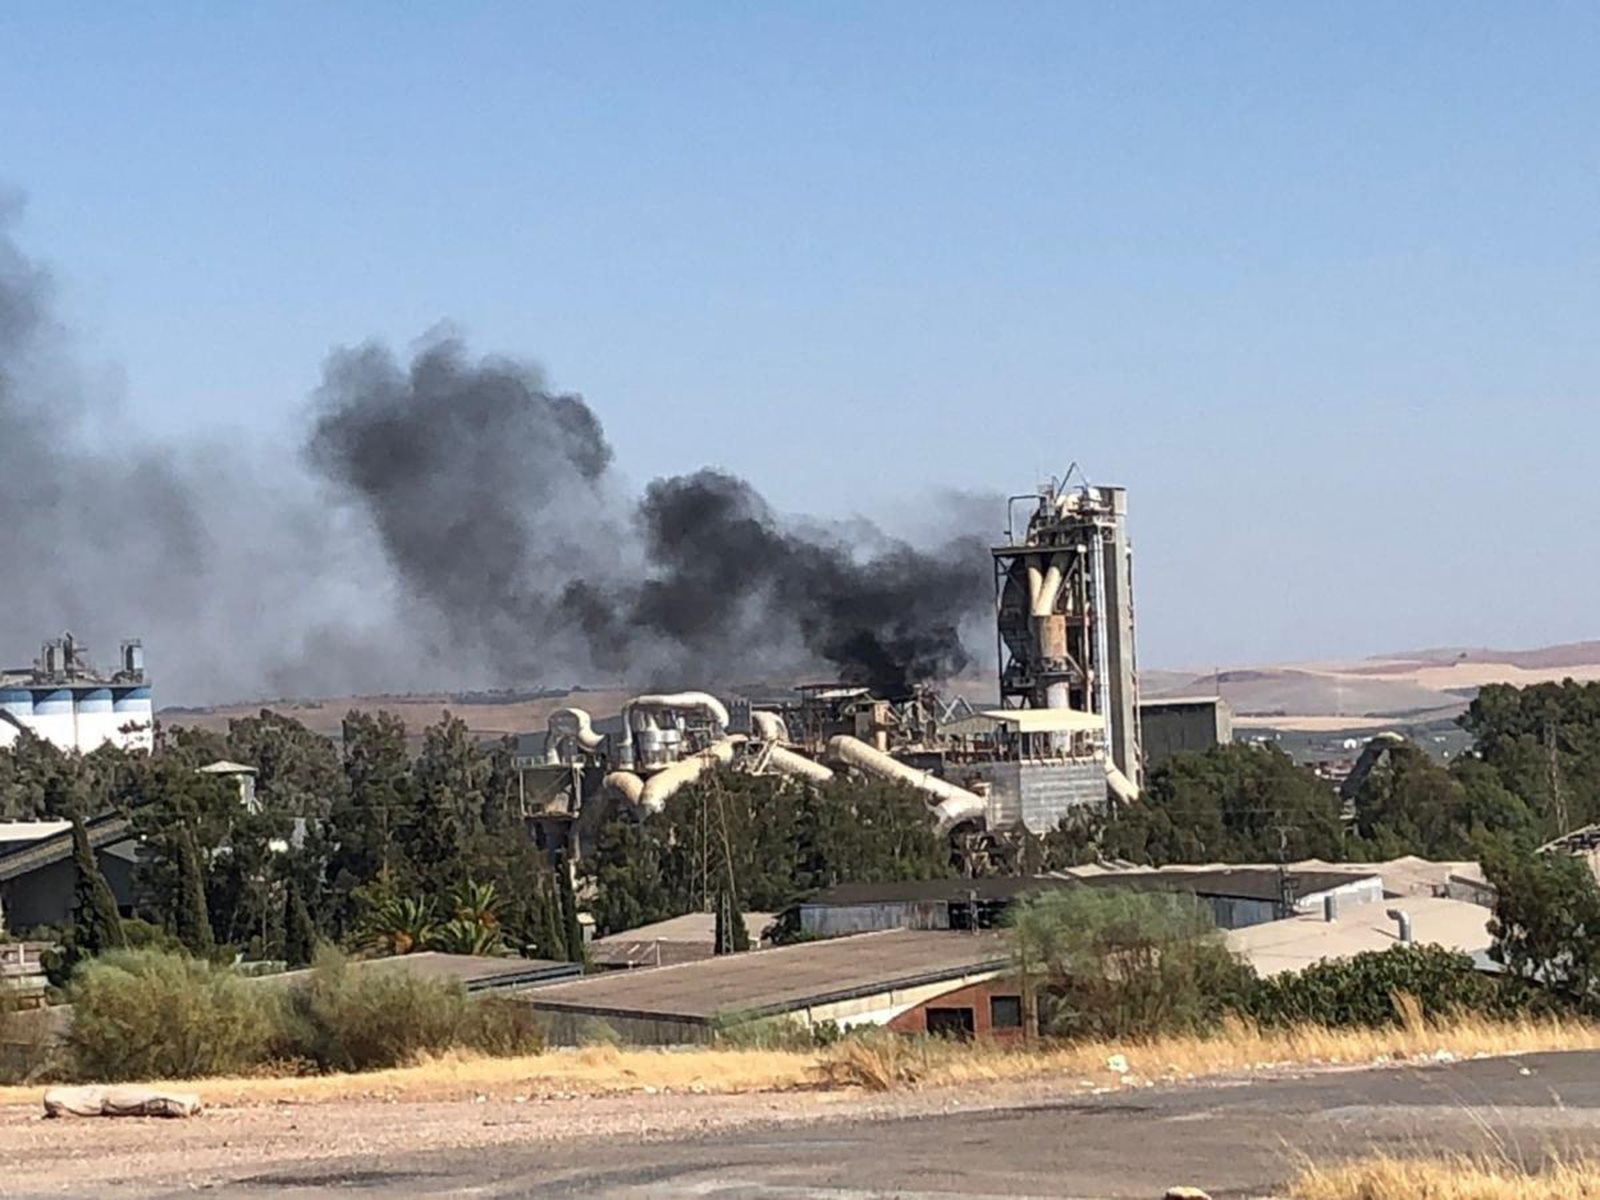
x=66 y=701
x=1064 y=738
x=1184 y=725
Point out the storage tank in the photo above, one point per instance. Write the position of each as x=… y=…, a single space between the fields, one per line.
x=96 y=718
x=54 y=717
x=132 y=706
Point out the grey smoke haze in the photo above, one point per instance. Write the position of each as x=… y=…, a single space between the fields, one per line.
x=459 y=525
x=493 y=500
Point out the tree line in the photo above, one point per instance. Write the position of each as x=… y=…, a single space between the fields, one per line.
x=1533 y=773
x=359 y=843
x=362 y=843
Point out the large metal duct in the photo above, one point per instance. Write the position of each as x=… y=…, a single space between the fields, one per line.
x=646 y=706
x=570 y=725
x=954 y=804
x=769 y=727
x=625 y=784
x=789 y=762
x=661 y=786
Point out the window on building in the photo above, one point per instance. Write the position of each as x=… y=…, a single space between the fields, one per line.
x=1005 y=1012
x=950 y=1022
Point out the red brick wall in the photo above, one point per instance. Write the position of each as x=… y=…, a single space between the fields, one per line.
x=976 y=997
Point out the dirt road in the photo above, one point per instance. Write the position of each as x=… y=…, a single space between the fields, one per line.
x=1238 y=1139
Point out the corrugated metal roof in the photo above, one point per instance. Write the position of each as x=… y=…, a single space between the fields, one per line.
x=475 y=972
x=1047 y=720
x=768 y=982
x=1296 y=943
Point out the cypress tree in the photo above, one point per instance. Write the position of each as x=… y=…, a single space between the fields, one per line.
x=97 y=927
x=571 y=930
x=552 y=941
x=299 y=934
x=193 y=918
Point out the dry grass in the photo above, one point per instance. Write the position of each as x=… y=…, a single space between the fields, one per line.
x=880 y=1063
x=885 y=1062
x=1455 y=1178
x=594 y=1070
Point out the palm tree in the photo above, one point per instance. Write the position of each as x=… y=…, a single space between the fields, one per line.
x=461 y=936
x=477 y=904
x=401 y=925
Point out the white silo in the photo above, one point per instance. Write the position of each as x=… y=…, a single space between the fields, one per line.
x=97 y=721
x=134 y=713
x=54 y=718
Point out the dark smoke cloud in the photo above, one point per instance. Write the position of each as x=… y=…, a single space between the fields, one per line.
x=723 y=560
x=479 y=481
x=460 y=525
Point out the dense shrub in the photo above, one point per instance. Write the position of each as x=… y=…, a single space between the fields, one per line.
x=502 y=1027
x=1362 y=990
x=359 y=1019
x=1106 y=962
x=142 y=1014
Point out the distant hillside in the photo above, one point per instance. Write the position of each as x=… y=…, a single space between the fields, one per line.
x=1415 y=686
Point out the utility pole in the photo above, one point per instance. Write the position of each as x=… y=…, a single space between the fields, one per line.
x=1558 y=795
x=1287 y=894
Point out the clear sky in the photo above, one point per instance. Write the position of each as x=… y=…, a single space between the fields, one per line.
x=1320 y=284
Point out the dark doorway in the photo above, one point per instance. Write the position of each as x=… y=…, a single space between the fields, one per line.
x=950 y=1022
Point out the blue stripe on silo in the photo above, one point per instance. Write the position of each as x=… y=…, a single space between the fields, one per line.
x=96 y=701
x=52 y=703
x=133 y=700
x=17 y=701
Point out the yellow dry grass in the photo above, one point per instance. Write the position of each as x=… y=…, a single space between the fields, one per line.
x=1453 y=1178
x=1240 y=1047
x=592 y=1070
x=887 y=1061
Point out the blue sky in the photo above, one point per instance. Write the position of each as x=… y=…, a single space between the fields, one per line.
x=1319 y=284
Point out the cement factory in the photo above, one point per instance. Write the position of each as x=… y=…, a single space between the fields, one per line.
x=1068 y=731
x=1066 y=734
x=63 y=699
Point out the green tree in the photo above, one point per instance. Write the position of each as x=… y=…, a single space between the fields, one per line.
x=1235 y=803
x=373 y=815
x=97 y=926
x=192 y=919
x=298 y=771
x=399 y=924
x=1112 y=963
x=474 y=924
x=299 y=933
x=551 y=941
x=1409 y=804
x=571 y=927
x=1546 y=924
x=1543 y=742
x=626 y=869
x=449 y=775
x=178 y=815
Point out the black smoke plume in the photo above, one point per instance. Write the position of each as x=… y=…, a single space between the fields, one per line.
x=493 y=500
x=460 y=526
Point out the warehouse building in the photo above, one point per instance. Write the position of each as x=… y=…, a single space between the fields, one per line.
x=898 y=979
x=1184 y=725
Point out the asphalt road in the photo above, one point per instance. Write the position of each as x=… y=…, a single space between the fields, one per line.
x=1239 y=1140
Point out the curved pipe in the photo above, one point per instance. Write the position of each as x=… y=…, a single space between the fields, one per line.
x=788 y=762
x=1048 y=586
x=954 y=804
x=660 y=787
x=769 y=727
x=703 y=702
x=570 y=723
x=625 y=784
